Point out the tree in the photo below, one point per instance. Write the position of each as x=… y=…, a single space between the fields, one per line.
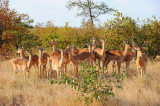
x=89 y=9
x=11 y=23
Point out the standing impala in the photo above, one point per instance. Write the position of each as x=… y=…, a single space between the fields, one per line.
x=42 y=61
x=117 y=56
x=129 y=57
x=56 y=63
x=76 y=59
x=57 y=53
x=95 y=42
x=22 y=64
x=34 y=59
x=101 y=55
x=141 y=61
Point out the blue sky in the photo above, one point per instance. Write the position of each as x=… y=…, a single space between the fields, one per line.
x=55 y=10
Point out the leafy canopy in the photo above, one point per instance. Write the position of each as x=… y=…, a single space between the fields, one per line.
x=89 y=9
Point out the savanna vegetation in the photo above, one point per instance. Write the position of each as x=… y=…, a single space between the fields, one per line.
x=90 y=88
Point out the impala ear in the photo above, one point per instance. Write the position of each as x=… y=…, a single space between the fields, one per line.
x=102 y=40
x=87 y=44
x=55 y=39
x=27 y=52
x=124 y=42
x=22 y=48
x=144 y=42
x=94 y=44
x=43 y=48
x=37 y=48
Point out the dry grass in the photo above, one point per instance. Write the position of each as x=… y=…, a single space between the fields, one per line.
x=34 y=91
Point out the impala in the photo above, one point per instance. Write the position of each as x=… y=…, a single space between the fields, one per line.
x=100 y=54
x=22 y=64
x=129 y=57
x=42 y=61
x=141 y=61
x=76 y=59
x=95 y=42
x=117 y=56
x=34 y=59
x=56 y=64
x=57 y=53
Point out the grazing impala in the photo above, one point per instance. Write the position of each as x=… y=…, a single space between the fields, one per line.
x=34 y=59
x=21 y=64
x=116 y=56
x=57 y=64
x=141 y=61
x=57 y=53
x=76 y=59
x=42 y=61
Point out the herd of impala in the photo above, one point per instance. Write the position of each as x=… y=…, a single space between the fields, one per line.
x=59 y=59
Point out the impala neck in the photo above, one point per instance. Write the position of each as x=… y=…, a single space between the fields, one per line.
x=29 y=61
x=70 y=55
x=22 y=56
x=62 y=59
x=124 y=53
x=134 y=51
x=103 y=49
x=55 y=49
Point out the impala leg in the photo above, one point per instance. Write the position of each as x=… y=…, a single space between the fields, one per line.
x=44 y=68
x=65 y=69
x=89 y=61
x=114 y=67
x=127 y=66
x=39 y=70
x=103 y=63
x=74 y=70
x=57 y=75
x=24 y=73
x=48 y=71
x=37 y=64
x=77 y=71
x=98 y=65
x=28 y=73
x=139 y=70
x=119 y=67
x=106 y=62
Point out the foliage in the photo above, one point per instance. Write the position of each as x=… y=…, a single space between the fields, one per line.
x=15 y=31
x=89 y=9
x=120 y=28
x=11 y=23
x=90 y=83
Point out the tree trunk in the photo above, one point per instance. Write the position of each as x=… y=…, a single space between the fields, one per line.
x=91 y=18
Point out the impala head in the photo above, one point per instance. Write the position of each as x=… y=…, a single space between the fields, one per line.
x=92 y=48
x=127 y=45
x=40 y=50
x=75 y=50
x=95 y=41
x=68 y=49
x=62 y=52
x=20 y=50
x=136 y=47
x=104 y=41
x=93 y=51
x=53 y=42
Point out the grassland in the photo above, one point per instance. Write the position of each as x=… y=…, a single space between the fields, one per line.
x=14 y=90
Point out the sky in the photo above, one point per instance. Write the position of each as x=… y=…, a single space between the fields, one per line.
x=56 y=12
